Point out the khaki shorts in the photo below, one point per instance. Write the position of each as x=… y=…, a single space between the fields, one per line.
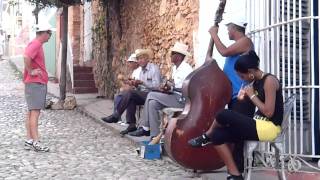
x=35 y=94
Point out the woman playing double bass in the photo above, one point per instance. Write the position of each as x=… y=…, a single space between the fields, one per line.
x=264 y=91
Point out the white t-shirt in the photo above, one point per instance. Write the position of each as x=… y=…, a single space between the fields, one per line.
x=180 y=73
x=136 y=73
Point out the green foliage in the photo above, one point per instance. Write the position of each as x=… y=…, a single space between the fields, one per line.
x=99 y=30
x=12 y=3
x=51 y=3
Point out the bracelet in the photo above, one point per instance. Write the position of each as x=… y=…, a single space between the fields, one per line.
x=251 y=97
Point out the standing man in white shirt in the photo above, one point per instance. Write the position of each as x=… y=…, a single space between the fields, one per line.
x=156 y=101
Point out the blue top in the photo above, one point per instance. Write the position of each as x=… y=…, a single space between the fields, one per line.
x=232 y=75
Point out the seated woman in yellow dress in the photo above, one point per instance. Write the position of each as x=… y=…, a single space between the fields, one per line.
x=265 y=92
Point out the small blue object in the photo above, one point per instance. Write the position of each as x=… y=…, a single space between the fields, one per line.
x=150 y=151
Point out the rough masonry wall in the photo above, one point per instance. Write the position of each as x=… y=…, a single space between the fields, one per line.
x=158 y=24
x=154 y=24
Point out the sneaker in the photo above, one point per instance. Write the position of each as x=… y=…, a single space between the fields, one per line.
x=39 y=147
x=28 y=145
x=233 y=177
x=200 y=141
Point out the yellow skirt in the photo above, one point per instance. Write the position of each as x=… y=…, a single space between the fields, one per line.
x=267 y=131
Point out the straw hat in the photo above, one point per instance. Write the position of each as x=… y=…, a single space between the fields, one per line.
x=132 y=58
x=180 y=48
x=140 y=52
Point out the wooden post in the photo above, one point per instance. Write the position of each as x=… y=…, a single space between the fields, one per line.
x=63 y=75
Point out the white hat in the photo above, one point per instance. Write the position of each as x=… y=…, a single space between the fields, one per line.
x=239 y=21
x=140 y=52
x=180 y=48
x=132 y=58
x=44 y=27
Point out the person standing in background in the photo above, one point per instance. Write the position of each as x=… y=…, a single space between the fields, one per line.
x=2 y=43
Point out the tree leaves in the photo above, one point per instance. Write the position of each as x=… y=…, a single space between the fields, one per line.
x=57 y=3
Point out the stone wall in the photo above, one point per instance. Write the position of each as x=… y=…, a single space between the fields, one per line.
x=154 y=24
x=103 y=73
x=158 y=24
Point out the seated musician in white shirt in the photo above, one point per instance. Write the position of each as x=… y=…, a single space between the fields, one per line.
x=170 y=97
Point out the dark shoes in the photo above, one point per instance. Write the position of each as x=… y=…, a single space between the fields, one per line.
x=110 y=119
x=200 y=141
x=130 y=128
x=140 y=132
x=233 y=177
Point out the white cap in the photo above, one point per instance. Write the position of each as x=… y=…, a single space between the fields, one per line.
x=132 y=58
x=44 y=27
x=239 y=21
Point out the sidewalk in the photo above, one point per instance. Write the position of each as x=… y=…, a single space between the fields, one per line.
x=95 y=108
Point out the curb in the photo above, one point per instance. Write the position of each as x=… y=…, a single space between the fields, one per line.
x=134 y=142
x=88 y=114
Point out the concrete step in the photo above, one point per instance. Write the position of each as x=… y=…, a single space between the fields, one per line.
x=84 y=90
x=84 y=83
x=83 y=76
x=82 y=69
x=83 y=80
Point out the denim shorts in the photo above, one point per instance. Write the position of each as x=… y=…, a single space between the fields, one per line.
x=35 y=94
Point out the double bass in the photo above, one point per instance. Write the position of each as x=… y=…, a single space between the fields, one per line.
x=207 y=90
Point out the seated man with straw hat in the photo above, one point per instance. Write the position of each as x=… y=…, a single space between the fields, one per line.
x=149 y=78
x=170 y=97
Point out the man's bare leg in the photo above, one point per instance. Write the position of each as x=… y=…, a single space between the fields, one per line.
x=33 y=128
x=27 y=124
x=33 y=124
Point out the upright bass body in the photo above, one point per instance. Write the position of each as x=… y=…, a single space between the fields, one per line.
x=207 y=90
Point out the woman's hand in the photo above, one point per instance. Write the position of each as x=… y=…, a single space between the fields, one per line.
x=241 y=94
x=249 y=91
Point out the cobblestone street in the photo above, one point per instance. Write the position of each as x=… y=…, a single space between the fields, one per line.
x=80 y=148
